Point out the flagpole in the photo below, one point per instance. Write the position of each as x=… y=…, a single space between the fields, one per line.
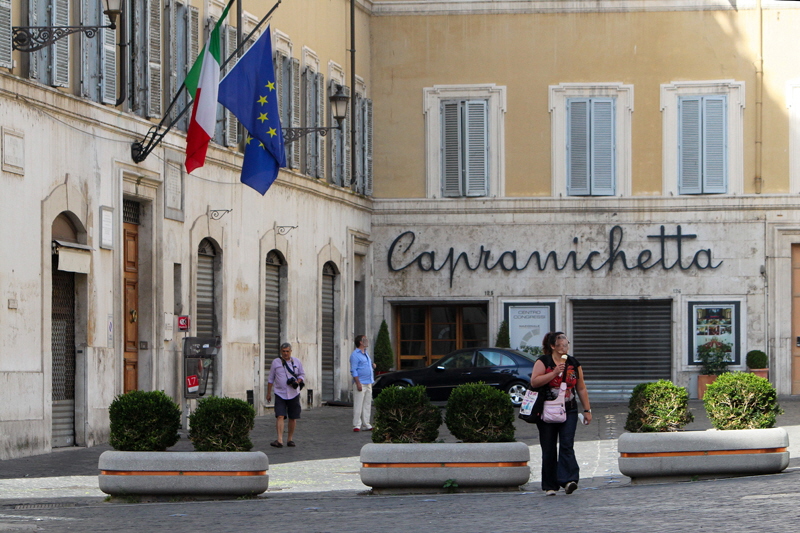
x=141 y=149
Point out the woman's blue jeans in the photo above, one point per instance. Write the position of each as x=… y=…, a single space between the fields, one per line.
x=559 y=465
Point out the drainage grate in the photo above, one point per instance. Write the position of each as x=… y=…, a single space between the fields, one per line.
x=23 y=506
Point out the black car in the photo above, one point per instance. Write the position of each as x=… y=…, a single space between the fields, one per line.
x=508 y=370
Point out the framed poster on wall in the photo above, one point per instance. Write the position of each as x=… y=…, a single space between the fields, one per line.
x=715 y=324
x=528 y=322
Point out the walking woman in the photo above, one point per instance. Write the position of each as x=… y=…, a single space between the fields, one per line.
x=559 y=466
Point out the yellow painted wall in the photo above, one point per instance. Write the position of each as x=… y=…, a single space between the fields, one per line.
x=529 y=52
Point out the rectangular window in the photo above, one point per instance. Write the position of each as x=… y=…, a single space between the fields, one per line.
x=287 y=76
x=591 y=165
x=702 y=144
x=465 y=148
x=50 y=65
x=429 y=332
x=314 y=96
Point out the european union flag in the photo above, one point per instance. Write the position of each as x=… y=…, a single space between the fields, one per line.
x=249 y=92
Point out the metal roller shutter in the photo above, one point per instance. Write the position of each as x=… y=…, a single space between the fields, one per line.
x=63 y=348
x=205 y=303
x=328 y=279
x=621 y=343
x=272 y=312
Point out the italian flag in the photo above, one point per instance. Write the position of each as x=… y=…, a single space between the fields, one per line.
x=203 y=83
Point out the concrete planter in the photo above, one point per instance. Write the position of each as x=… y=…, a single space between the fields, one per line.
x=183 y=473
x=427 y=467
x=706 y=454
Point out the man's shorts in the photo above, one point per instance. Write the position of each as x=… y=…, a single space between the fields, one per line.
x=292 y=407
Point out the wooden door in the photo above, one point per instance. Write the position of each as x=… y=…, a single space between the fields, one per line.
x=131 y=311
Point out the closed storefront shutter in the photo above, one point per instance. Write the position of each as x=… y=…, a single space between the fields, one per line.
x=63 y=347
x=328 y=279
x=621 y=343
x=206 y=324
x=272 y=312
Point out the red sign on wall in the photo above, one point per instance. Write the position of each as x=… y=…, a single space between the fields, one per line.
x=183 y=323
x=192 y=384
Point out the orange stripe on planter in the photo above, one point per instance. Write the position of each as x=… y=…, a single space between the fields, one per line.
x=706 y=452
x=180 y=473
x=442 y=465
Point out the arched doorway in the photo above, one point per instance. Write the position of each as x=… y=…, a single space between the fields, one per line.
x=273 y=295
x=328 y=331
x=206 y=291
x=63 y=345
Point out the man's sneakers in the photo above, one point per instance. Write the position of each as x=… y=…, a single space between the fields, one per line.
x=550 y=493
x=570 y=487
x=356 y=430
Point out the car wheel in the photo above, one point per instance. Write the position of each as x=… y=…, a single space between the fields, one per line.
x=517 y=392
x=403 y=385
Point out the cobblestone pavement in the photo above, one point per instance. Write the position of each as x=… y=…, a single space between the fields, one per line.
x=317 y=483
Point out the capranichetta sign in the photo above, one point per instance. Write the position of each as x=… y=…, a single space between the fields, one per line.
x=401 y=256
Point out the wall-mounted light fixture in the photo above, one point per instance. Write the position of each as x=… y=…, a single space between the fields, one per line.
x=339 y=103
x=32 y=38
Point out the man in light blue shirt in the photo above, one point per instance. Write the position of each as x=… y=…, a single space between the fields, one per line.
x=361 y=367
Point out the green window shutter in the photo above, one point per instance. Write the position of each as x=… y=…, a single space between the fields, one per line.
x=689 y=145
x=5 y=34
x=714 y=144
x=476 y=149
x=578 y=147
x=451 y=149
x=602 y=153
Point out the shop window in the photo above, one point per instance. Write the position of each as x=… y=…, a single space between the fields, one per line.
x=429 y=332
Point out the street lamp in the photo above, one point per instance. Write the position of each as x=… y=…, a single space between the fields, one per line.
x=32 y=38
x=338 y=102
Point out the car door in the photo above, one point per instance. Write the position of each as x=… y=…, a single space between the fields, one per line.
x=449 y=372
x=494 y=368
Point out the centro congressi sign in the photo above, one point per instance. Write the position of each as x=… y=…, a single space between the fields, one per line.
x=401 y=256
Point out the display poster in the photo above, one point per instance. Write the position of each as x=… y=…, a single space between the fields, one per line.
x=714 y=325
x=528 y=323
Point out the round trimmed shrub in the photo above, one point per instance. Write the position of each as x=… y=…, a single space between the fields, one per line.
x=658 y=406
x=404 y=415
x=756 y=359
x=144 y=421
x=741 y=400
x=222 y=425
x=477 y=412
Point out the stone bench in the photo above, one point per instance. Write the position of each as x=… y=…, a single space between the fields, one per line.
x=648 y=457
x=472 y=466
x=183 y=473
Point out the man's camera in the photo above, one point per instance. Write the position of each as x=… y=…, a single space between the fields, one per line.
x=294 y=383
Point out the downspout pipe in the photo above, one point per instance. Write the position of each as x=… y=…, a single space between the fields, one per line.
x=758 y=182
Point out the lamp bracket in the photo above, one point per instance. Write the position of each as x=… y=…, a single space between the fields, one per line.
x=32 y=38
x=290 y=135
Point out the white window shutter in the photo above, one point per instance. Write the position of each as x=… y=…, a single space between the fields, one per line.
x=476 y=149
x=578 y=147
x=5 y=34
x=715 y=144
x=108 y=59
x=320 y=122
x=154 y=71
x=33 y=20
x=348 y=151
x=689 y=145
x=176 y=31
x=335 y=175
x=294 y=156
x=193 y=37
x=451 y=148
x=231 y=124
x=368 y=147
x=278 y=60
x=602 y=142
x=358 y=122
x=306 y=142
x=60 y=50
